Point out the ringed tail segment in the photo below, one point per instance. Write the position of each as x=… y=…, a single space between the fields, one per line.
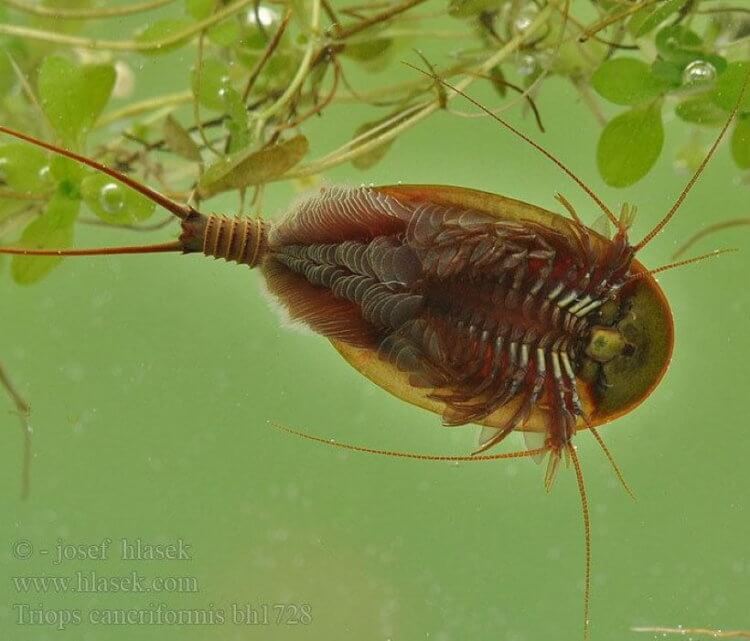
x=237 y=239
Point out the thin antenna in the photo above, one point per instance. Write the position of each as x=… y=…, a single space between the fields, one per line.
x=181 y=211
x=600 y=203
x=682 y=263
x=612 y=462
x=587 y=538
x=174 y=246
x=412 y=455
x=698 y=172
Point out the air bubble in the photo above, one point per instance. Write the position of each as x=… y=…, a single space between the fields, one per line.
x=264 y=15
x=112 y=198
x=525 y=17
x=698 y=71
x=527 y=64
x=44 y=174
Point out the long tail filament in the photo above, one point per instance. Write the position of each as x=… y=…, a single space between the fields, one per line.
x=587 y=539
x=413 y=455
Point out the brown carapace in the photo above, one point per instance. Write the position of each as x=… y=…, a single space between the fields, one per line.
x=478 y=307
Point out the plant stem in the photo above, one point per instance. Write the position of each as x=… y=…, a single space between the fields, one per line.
x=124 y=45
x=86 y=14
x=23 y=410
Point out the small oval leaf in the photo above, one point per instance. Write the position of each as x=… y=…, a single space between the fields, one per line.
x=161 y=30
x=250 y=168
x=652 y=15
x=210 y=86
x=629 y=145
x=627 y=81
x=72 y=96
x=679 y=44
x=729 y=85
x=54 y=228
x=24 y=168
x=701 y=110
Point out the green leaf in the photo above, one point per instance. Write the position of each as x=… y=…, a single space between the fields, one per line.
x=54 y=228
x=25 y=169
x=236 y=123
x=627 y=81
x=729 y=85
x=741 y=143
x=249 y=168
x=162 y=30
x=372 y=54
x=68 y=174
x=180 y=141
x=212 y=83
x=226 y=33
x=469 y=8
x=652 y=15
x=679 y=44
x=700 y=111
x=200 y=9
x=670 y=73
x=629 y=145
x=73 y=96
x=113 y=202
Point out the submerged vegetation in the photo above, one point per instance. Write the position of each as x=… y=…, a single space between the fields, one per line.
x=248 y=76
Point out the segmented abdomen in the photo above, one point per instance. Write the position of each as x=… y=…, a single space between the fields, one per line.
x=479 y=309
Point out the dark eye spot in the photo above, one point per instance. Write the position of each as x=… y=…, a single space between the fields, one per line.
x=628 y=350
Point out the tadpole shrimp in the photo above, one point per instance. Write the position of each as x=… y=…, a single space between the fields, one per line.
x=475 y=306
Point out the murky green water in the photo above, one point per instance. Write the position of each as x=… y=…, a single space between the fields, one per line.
x=153 y=381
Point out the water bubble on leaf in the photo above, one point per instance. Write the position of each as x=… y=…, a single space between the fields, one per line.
x=698 y=71
x=45 y=174
x=111 y=198
x=113 y=202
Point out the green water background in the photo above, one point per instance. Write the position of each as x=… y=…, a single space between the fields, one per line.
x=153 y=381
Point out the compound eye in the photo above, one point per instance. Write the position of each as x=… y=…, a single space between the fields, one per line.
x=606 y=343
